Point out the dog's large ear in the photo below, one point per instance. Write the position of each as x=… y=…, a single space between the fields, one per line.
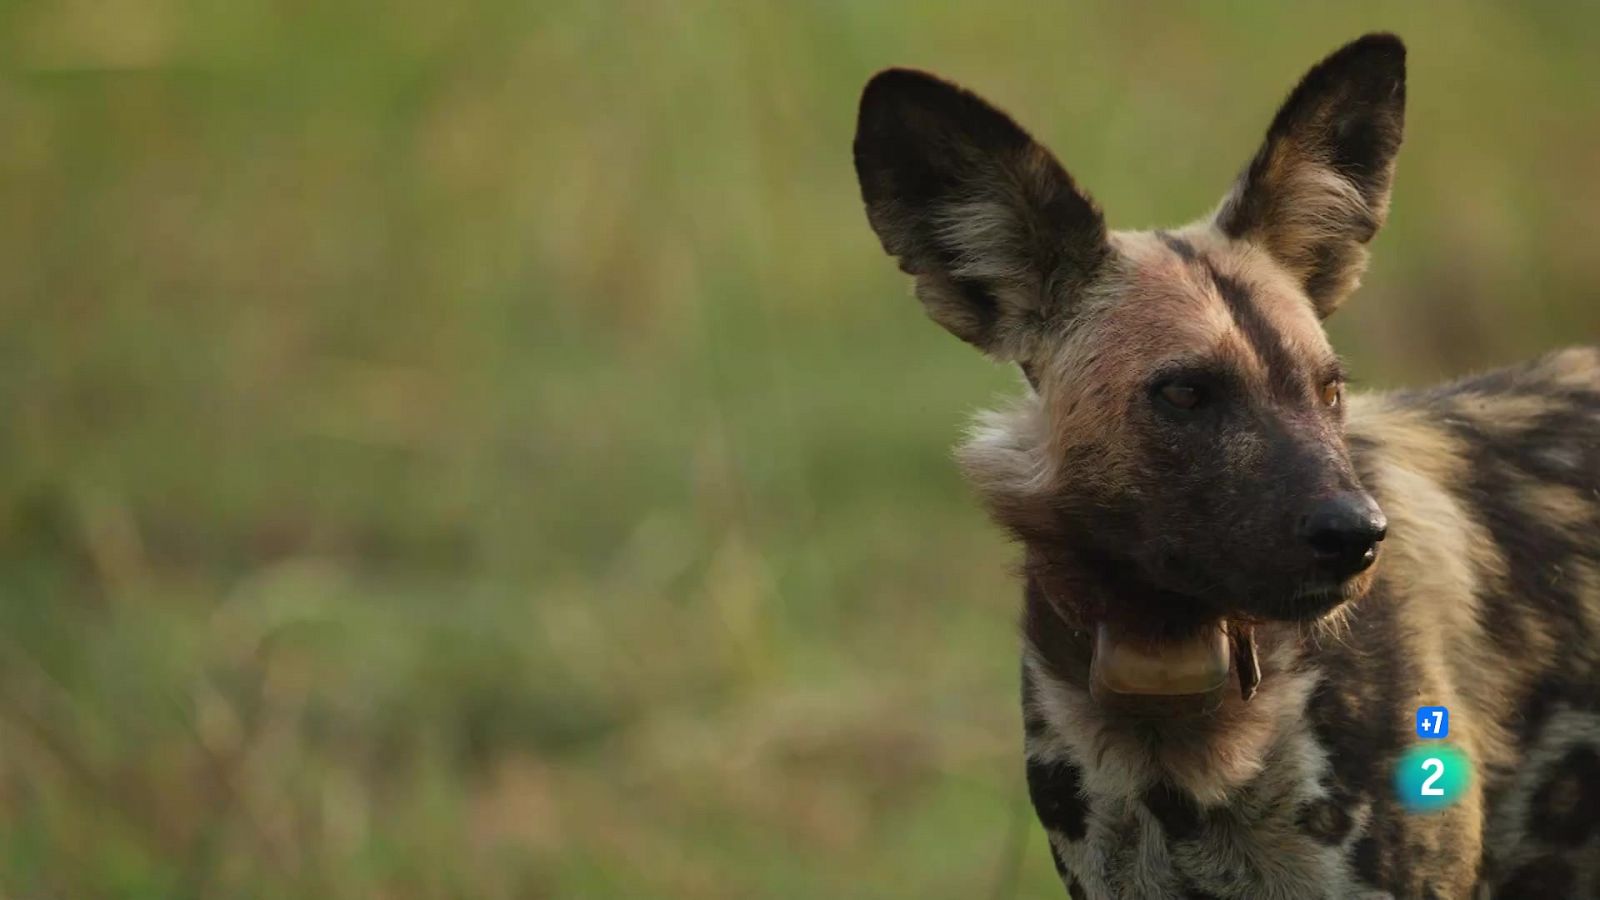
x=996 y=233
x=1318 y=189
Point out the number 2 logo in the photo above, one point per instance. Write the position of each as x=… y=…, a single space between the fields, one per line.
x=1435 y=765
x=1431 y=777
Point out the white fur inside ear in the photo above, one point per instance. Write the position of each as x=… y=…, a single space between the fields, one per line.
x=1316 y=204
x=986 y=238
x=1001 y=319
x=1311 y=220
x=1311 y=204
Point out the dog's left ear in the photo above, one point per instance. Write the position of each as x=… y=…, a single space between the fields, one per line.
x=1318 y=189
x=999 y=238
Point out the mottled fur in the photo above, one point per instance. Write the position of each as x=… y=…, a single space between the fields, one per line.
x=1486 y=597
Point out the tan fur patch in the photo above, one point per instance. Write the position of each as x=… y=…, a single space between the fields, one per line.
x=1558 y=505
x=1445 y=555
x=1585 y=577
x=1502 y=413
x=1575 y=367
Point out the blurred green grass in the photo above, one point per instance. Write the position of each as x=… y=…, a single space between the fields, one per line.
x=480 y=450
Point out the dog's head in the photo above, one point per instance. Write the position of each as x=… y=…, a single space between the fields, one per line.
x=1182 y=461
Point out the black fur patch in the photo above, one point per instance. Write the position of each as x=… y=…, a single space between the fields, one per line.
x=1542 y=879
x=1566 y=808
x=1055 y=788
x=1282 y=367
x=1065 y=652
x=1381 y=858
x=1030 y=373
x=982 y=306
x=1535 y=711
x=1076 y=891
x=1340 y=728
x=1358 y=728
x=1331 y=264
x=1177 y=812
x=1178 y=245
x=1542 y=699
x=1368 y=861
x=1328 y=820
x=1361 y=447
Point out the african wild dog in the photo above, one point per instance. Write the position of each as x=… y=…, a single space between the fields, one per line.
x=1219 y=673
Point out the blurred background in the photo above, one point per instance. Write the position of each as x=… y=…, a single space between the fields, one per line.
x=479 y=449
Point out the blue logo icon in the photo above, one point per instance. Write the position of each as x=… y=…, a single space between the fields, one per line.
x=1431 y=777
x=1433 y=722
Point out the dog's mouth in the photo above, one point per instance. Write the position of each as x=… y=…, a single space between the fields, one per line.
x=1173 y=675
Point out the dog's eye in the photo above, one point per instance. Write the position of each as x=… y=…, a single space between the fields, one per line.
x=1182 y=395
x=1333 y=394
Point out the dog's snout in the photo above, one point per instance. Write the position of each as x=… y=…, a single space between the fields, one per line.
x=1343 y=532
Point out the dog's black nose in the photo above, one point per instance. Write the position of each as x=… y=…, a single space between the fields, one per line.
x=1344 y=531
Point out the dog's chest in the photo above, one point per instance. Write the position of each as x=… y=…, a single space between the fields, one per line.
x=1284 y=834
x=1305 y=811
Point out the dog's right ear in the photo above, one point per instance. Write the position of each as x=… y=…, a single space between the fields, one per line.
x=996 y=233
x=1318 y=189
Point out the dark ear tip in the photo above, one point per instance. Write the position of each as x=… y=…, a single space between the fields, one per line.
x=1372 y=66
x=894 y=76
x=911 y=107
x=899 y=84
x=1380 y=48
x=1381 y=41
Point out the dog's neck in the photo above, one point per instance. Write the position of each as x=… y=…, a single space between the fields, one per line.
x=1125 y=751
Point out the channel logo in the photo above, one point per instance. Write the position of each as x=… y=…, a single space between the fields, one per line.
x=1432 y=776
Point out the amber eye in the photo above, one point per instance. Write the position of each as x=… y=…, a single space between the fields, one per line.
x=1333 y=394
x=1181 y=396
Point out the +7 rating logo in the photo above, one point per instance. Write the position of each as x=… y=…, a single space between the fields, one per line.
x=1433 y=722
